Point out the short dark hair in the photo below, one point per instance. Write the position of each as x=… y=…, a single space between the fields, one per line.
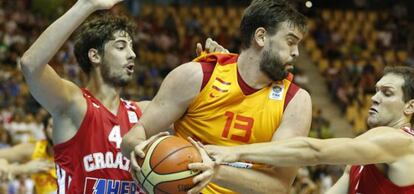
x=268 y=14
x=95 y=32
x=408 y=75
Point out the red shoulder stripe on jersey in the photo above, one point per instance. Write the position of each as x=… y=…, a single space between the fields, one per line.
x=225 y=59
x=246 y=89
x=209 y=61
x=221 y=58
x=208 y=69
x=293 y=89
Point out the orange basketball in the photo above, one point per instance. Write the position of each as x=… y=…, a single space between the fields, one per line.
x=165 y=166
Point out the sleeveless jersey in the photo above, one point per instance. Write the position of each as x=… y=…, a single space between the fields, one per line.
x=45 y=183
x=223 y=115
x=368 y=179
x=91 y=161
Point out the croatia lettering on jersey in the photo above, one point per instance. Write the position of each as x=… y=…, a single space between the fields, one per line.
x=92 y=162
x=96 y=161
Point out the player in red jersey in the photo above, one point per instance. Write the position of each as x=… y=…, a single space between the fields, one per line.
x=89 y=122
x=382 y=159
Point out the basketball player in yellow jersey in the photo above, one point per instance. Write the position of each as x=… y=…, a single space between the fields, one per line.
x=40 y=165
x=229 y=99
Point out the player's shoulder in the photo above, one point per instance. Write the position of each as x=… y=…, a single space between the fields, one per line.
x=301 y=96
x=189 y=73
x=218 y=58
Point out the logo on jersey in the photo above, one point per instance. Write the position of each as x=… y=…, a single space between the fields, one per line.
x=277 y=92
x=107 y=186
x=95 y=105
x=132 y=116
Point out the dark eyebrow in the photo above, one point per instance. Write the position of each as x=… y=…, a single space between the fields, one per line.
x=290 y=34
x=385 y=87
x=120 y=40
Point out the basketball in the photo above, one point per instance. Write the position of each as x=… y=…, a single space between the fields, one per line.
x=165 y=166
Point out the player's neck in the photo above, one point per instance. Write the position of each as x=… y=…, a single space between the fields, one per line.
x=108 y=94
x=248 y=65
x=399 y=124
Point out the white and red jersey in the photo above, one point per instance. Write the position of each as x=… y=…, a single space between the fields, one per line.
x=91 y=161
x=368 y=179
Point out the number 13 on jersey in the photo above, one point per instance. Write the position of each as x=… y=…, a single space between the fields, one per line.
x=240 y=123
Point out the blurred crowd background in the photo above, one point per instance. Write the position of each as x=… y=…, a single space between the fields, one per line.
x=350 y=42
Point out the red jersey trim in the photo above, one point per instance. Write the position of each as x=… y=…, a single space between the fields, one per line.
x=246 y=89
x=293 y=89
x=86 y=121
x=209 y=61
x=220 y=58
x=208 y=69
x=356 y=173
x=408 y=130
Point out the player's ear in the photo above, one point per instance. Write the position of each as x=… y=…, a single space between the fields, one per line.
x=94 y=56
x=409 y=107
x=260 y=36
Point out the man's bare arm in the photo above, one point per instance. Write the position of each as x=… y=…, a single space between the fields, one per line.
x=51 y=91
x=378 y=145
x=174 y=96
x=342 y=185
x=18 y=153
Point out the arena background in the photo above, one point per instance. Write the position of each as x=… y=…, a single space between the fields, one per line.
x=348 y=45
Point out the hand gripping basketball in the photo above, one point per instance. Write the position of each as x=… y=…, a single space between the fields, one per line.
x=164 y=169
x=207 y=167
x=139 y=151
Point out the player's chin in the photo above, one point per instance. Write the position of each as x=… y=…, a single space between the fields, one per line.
x=372 y=121
x=289 y=67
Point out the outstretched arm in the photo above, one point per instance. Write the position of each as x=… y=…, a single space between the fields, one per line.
x=51 y=91
x=8 y=170
x=378 y=145
x=18 y=153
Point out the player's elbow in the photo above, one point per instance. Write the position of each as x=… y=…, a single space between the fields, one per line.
x=26 y=65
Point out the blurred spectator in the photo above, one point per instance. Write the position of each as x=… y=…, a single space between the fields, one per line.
x=320 y=126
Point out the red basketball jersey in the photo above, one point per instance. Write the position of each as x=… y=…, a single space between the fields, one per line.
x=367 y=179
x=92 y=162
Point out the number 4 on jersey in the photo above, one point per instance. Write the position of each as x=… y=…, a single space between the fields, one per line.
x=115 y=136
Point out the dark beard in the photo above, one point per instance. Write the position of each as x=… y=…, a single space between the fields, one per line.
x=112 y=80
x=273 y=67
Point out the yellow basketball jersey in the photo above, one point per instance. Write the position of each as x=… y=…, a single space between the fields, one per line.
x=45 y=183
x=223 y=115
